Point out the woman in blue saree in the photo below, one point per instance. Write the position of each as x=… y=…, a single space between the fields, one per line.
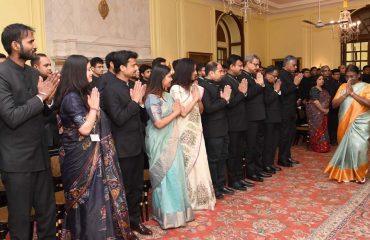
x=350 y=161
x=95 y=198
x=171 y=207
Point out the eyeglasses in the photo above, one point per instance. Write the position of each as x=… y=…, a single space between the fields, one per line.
x=255 y=64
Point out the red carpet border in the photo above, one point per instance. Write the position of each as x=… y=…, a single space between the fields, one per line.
x=297 y=203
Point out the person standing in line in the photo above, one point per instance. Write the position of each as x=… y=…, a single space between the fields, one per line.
x=24 y=160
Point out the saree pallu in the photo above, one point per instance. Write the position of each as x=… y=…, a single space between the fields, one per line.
x=96 y=205
x=350 y=161
x=171 y=207
x=198 y=178
x=318 y=124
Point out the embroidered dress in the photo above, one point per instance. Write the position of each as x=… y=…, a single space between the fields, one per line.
x=318 y=121
x=350 y=162
x=171 y=207
x=96 y=205
x=198 y=177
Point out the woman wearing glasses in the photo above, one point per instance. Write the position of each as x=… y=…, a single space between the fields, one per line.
x=350 y=161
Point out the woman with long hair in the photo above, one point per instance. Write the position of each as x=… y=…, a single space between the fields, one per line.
x=198 y=178
x=171 y=207
x=95 y=197
x=350 y=161
x=317 y=110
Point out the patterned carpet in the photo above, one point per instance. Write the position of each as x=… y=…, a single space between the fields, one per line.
x=297 y=203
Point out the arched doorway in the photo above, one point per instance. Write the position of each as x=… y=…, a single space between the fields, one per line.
x=357 y=52
x=230 y=35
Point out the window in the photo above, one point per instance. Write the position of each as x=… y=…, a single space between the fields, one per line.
x=358 y=52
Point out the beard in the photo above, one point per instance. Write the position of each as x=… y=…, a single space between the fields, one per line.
x=30 y=55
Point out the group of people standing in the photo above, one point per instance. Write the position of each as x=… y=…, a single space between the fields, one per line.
x=193 y=131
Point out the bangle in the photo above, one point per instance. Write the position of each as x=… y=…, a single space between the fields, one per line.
x=352 y=93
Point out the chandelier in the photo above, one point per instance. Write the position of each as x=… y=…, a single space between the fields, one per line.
x=348 y=30
x=261 y=6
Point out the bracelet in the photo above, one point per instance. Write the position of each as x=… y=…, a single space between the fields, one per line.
x=352 y=93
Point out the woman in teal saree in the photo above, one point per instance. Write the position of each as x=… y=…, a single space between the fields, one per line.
x=350 y=161
x=171 y=207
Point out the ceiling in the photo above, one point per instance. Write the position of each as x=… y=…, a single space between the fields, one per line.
x=278 y=6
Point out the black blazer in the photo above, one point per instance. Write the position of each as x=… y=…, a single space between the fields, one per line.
x=214 y=119
x=23 y=145
x=236 y=111
x=272 y=104
x=288 y=95
x=127 y=128
x=255 y=104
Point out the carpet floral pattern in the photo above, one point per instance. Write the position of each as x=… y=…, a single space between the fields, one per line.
x=297 y=203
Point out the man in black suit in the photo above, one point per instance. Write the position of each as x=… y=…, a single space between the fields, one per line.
x=236 y=116
x=331 y=85
x=42 y=64
x=273 y=118
x=97 y=68
x=255 y=109
x=123 y=110
x=215 y=126
x=289 y=91
x=24 y=159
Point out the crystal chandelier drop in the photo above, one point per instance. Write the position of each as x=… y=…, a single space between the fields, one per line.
x=348 y=30
x=261 y=6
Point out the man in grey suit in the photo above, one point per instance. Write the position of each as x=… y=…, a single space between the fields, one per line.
x=24 y=162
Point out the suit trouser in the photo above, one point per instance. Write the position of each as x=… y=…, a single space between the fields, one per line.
x=333 y=125
x=236 y=151
x=254 y=147
x=271 y=140
x=133 y=173
x=287 y=135
x=27 y=190
x=217 y=152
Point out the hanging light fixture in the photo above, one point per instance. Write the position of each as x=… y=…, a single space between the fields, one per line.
x=261 y=6
x=348 y=30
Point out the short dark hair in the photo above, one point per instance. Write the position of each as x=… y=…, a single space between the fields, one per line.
x=14 y=32
x=211 y=67
x=109 y=58
x=232 y=59
x=353 y=68
x=366 y=66
x=73 y=79
x=184 y=72
x=159 y=72
x=121 y=58
x=271 y=69
x=36 y=60
x=2 y=55
x=144 y=67
x=335 y=70
x=200 y=66
x=96 y=60
x=305 y=70
x=313 y=68
x=287 y=59
x=158 y=61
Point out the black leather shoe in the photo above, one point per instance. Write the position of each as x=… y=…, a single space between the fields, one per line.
x=276 y=168
x=226 y=190
x=264 y=175
x=285 y=164
x=140 y=228
x=131 y=235
x=238 y=186
x=293 y=161
x=256 y=178
x=269 y=170
x=219 y=195
x=246 y=183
